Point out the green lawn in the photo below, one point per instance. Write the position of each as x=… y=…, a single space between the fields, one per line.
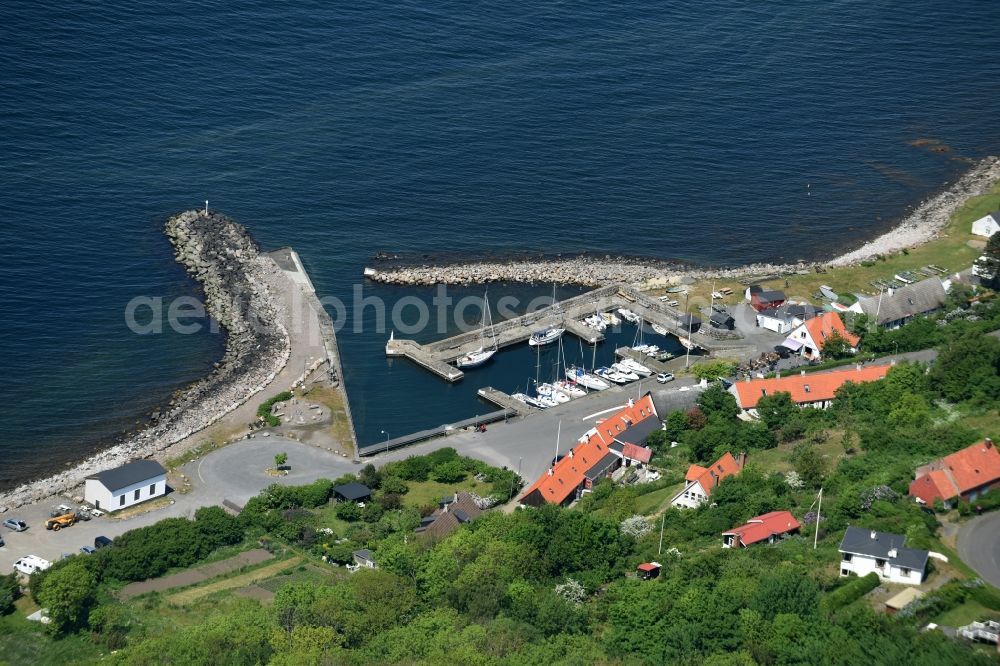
x=968 y=612
x=26 y=642
x=652 y=503
x=422 y=493
x=778 y=459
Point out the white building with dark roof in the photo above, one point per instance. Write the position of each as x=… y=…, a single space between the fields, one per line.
x=987 y=225
x=893 y=308
x=865 y=551
x=125 y=486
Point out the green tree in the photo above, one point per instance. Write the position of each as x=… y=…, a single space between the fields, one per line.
x=776 y=410
x=218 y=526
x=717 y=401
x=715 y=369
x=836 y=346
x=809 y=464
x=280 y=459
x=675 y=425
x=68 y=593
x=348 y=511
x=987 y=266
x=968 y=369
x=786 y=591
x=448 y=472
x=10 y=590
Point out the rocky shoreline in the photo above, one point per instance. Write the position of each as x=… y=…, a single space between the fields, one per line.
x=920 y=226
x=235 y=278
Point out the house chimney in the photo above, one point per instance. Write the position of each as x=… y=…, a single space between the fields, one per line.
x=858 y=366
x=802 y=373
x=571 y=453
x=741 y=459
x=874 y=534
x=988 y=443
x=456 y=497
x=893 y=553
x=550 y=471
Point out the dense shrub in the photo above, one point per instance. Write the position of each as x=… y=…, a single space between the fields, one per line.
x=849 y=593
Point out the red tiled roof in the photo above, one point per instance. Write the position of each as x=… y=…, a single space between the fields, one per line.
x=648 y=566
x=958 y=473
x=824 y=326
x=614 y=425
x=635 y=452
x=710 y=477
x=806 y=388
x=562 y=480
x=763 y=527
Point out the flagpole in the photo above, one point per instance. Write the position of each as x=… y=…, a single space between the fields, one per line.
x=819 y=510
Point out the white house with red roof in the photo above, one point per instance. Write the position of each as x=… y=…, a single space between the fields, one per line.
x=767 y=528
x=965 y=474
x=699 y=482
x=809 y=337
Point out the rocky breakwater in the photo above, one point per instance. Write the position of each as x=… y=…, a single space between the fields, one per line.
x=236 y=280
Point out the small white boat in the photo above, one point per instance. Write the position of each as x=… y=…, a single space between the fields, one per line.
x=687 y=344
x=610 y=319
x=545 y=336
x=570 y=389
x=659 y=329
x=585 y=379
x=476 y=358
x=521 y=397
x=636 y=367
x=628 y=315
x=651 y=350
x=546 y=401
x=548 y=390
x=611 y=375
x=596 y=322
x=641 y=348
x=625 y=371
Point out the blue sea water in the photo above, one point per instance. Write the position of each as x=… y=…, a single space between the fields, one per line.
x=678 y=130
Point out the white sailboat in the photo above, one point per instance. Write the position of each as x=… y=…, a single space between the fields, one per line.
x=570 y=388
x=585 y=379
x=478 y=357
x=551 y=391
x=636 y=367
x=545 y=336
x=625 y=371
x=659 y=329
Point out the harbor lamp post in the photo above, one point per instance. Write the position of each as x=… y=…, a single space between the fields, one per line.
x=386 y=441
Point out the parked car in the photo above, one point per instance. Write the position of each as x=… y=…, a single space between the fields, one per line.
x=87 y=550
x=61 y=510
x=82 y=515
x=96 y=513
x=2 y=542
x=30 y=564
x=102 y=541
x=665 y=377
x=15 y=524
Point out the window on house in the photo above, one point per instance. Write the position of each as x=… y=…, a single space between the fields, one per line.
x=152 y=489
x=121 y=500
x=847 y=557
x=137 y=491
x=904 y=571
x=880 y=563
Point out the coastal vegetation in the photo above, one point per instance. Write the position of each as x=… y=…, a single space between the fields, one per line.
x=265 y=411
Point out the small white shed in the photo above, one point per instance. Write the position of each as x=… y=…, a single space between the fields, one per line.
x=125 y=486
x=987 y=225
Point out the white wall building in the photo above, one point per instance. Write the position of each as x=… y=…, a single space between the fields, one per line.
x=866 y=551
x=125 y=486
x=987 y=225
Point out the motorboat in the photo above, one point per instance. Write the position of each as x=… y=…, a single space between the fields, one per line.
x=636 y=367
x=596 y=322
x=545 y=401
x=628 y=315
x=478 y=357
x=640 y=348
x=651 y=350
x=659 y=329
x=687 y=344
x=528 y=400
x=610 y=319
x=612 y=376
x=545 y=336
x=625 y=371
x=570 y=389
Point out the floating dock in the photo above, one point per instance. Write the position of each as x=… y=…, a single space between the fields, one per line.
x=504 y=400
x=438 y=357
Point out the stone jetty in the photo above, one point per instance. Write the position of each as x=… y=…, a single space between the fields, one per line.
x=237 y=282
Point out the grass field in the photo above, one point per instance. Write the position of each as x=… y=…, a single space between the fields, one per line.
x=422 y=493
x=654 y=502
x=193 y=594
x=26 y=642
x=310 y=574
x=970 y=611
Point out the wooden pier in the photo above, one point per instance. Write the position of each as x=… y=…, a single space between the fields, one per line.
x=507 y=402
x=438 y=356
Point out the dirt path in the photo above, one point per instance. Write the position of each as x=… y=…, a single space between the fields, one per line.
x=196 y=575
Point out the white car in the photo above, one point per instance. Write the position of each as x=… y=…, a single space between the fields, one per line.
x=97 y=513
x=30 y=564
x=665 y=377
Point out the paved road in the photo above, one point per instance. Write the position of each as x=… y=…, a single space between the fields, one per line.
x=979 y=546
